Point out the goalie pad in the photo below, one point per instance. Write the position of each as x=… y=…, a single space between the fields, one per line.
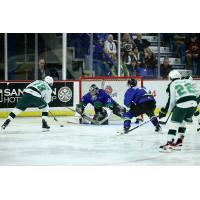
x=100 y=114
x=119 y=110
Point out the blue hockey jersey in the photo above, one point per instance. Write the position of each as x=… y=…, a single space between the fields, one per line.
x=102 y=97
x=136 y=95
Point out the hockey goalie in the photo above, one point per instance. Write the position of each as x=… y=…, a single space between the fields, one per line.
x=102 y=103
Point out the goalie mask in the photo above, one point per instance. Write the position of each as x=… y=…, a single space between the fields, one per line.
x=174 y=74
x=132 y=82
x=94 y=90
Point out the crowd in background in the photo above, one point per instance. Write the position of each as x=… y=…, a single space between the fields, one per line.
x=138 y=55
x=135 y=53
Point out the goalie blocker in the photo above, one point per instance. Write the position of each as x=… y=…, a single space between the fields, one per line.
x=100 y=100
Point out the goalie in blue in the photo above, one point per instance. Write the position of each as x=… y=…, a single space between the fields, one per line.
x=100 y=100
x=140 y=101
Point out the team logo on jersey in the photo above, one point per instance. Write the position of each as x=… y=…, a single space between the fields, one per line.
x=64 y=94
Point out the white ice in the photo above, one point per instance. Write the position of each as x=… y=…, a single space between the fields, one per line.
x=23 y=143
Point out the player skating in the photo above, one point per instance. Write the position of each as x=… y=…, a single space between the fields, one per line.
x=100 y=100
x=36 y=94
x=182 y=100
x=140 y=101
x=196 y=87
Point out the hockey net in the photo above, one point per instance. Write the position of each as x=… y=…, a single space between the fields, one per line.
x=114 y=86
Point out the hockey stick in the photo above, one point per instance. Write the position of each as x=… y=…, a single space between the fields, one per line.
x=146 y=122
x=85 y=117
x=94 y=121
x=61 y=125
x=163 y=123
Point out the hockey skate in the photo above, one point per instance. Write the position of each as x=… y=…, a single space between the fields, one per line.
x=168 y=147
x=5 y=124
x=45 y=126
x=124 y=131
x=179 y=143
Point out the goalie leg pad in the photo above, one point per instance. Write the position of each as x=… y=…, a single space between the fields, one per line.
x=100 y=114
x=119 y=110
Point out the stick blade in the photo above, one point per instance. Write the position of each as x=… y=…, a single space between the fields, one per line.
x=161 y=122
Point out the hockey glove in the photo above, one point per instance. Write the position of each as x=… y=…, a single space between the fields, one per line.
x=109 y=105
x=162 y=113
x=196 y=113
x=119 y=110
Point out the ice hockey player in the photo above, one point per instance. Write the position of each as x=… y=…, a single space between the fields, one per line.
x=196 y=87
x=100 y=100
x=140 y=101
x=183 y=102
x=37 y=93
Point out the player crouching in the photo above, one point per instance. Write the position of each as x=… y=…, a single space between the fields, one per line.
x=140 y=101
x=100 y=100
x=182 y=101
x=38 y=94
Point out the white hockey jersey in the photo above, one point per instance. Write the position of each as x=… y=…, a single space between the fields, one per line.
x=196 y=87
x=182 y=94
x=40 y=89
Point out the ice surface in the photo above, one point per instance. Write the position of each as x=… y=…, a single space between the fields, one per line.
x=23 y=143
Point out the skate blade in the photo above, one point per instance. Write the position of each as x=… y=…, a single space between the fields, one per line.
x=45 y=130
x=177 y=149
x=165 y=150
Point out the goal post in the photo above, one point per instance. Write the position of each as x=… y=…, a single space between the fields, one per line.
x=116 y=86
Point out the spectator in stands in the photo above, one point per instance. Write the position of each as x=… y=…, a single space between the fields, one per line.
x=135 y=62
x=110 y=47
x=141 y=44
x=44 y=71
x=150 y=61
x=111 y=50
x=180 y=40
x=165 y=68
x=127 y=48
x=193 y=54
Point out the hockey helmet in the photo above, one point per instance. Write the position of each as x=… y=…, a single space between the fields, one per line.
x=174 y=74
x=49 y=80
x=93 y=90
x=132 y=82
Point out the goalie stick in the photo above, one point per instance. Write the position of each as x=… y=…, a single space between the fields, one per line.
x=85 y=116
x=94 y=121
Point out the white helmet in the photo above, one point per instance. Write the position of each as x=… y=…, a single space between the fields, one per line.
x=174 y=74
x=49 y=80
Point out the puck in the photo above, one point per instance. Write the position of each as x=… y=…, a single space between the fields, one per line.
x=61 y=125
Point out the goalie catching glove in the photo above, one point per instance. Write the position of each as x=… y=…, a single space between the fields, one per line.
x=162 y=113
x=117 y=109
